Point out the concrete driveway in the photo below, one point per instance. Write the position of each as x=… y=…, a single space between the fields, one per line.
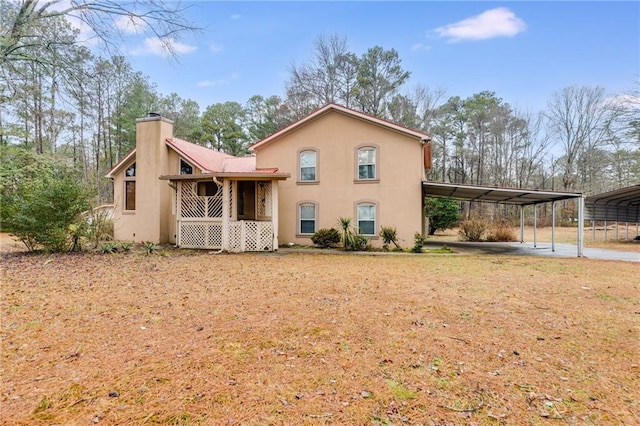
x=541 y=249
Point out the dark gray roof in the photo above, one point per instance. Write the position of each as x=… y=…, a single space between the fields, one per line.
x=622 y=205
x=494 y=194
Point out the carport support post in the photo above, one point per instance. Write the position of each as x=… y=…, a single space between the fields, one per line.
x=580 y=224
x=535 y=224
x=553 y=226
x=521 y=224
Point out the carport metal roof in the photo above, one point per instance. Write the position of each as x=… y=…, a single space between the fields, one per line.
x=621 y=205
x=512 y=196
x=493 y=194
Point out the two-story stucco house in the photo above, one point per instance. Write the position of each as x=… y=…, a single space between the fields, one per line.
x=335 y=162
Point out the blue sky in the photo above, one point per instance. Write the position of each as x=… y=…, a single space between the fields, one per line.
x=523 y=51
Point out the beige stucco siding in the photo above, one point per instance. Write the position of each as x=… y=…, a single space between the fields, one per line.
x=336 y=137
x=151 y=219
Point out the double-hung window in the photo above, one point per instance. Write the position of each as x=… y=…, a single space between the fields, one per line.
x=130 y=187
x=307 y=218
x=367 y=163
x=308 y=166
x=366 y=216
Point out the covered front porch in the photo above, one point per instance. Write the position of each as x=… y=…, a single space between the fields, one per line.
x=231 y=213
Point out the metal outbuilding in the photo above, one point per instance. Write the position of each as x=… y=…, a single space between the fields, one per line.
x=511 y=196
x=619 y=206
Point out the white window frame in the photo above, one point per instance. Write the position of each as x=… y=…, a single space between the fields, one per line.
x=375 y=150
x=375 y=217
x=300 y=219
x=315 y=166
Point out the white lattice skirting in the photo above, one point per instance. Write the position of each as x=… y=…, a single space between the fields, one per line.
x=243 y=235
x=201 y=235
x=250 y=236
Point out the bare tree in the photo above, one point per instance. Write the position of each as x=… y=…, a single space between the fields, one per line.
x=107 y=19
x=579 y=117
x=327 y=77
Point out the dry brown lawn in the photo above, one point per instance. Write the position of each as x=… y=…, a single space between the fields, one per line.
x=294 y=339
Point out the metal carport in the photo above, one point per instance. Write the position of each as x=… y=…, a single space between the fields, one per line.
x=512 y=196
x=621 y=205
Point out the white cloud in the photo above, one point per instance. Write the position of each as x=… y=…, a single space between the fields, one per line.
x=214 y=47
x=157 y=46
x=129 y=24
x=498 y=22
x=236 y=16
x=220 y=82
x=420 y=46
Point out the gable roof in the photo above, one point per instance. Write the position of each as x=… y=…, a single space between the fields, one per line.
x=124 y=160
x=208 y=160
x=344 y=110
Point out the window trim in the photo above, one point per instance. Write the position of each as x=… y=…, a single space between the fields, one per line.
x=126 y=179
x=308 y=182
x=299 y=218
x=376 y=213
x=376 y=164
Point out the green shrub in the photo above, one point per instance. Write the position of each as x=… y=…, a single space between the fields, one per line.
x=45 y=211
x=389 y=235
x=418 y=242
x=472 y=230
x=326 y=237
x=443 y=213
x=125 y=246
x=359 y=243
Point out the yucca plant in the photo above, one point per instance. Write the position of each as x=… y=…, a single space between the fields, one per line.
x=348 y=233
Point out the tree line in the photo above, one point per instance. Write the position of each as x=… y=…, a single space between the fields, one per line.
x=59 y=99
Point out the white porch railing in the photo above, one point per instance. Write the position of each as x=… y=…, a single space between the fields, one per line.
x=206 y=222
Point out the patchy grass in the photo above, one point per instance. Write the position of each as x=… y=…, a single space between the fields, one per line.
x=307 y=338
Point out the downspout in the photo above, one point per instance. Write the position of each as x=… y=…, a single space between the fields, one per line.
x=425 y=230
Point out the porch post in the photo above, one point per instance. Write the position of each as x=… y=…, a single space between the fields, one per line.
x=225 y=213
x=535 y=225
x=580 y=225
x=553 y=226
x=521 y=224
x=274 y=213
x=179 y=214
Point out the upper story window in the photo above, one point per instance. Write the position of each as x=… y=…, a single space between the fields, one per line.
x=185 y=168
x=367 y=163
x=366 y=217
x=308 y=166
x=130 y=187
